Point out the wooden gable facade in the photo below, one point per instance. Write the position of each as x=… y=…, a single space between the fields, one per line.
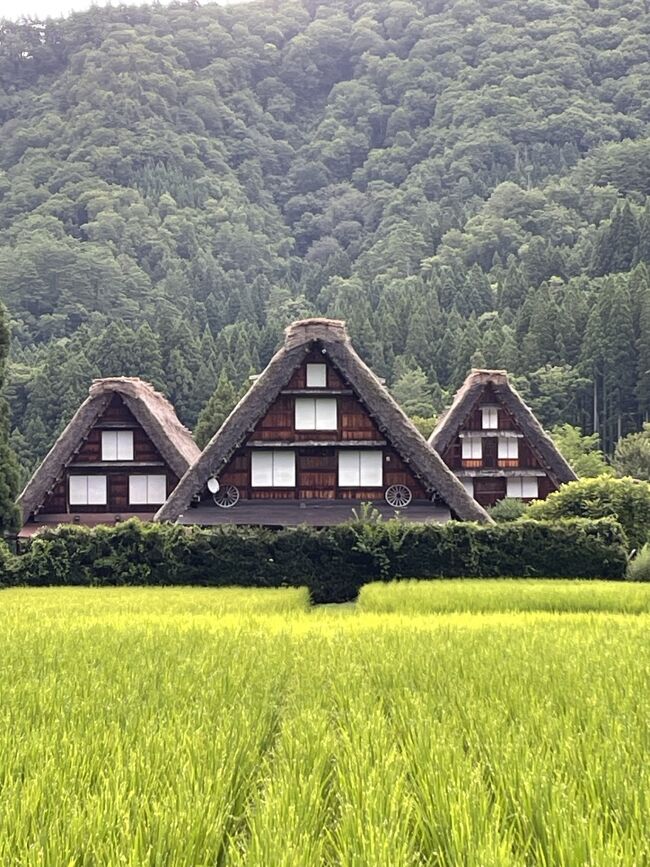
x=106 y=466
x=116 y=476
x=315 y=435
x=494 y=444
x=319 y=460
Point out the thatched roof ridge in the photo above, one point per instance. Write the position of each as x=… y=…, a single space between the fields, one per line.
x=151 y=409
x=299 y=338
x=465 y=401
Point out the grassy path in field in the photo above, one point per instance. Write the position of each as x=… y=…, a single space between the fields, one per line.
x=196 y=727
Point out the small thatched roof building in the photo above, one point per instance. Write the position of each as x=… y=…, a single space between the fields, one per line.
x=163 y=444
x=538 y=456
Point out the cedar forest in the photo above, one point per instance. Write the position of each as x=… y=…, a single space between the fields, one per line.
x=466 y=182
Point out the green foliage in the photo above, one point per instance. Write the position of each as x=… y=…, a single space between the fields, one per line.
x=190 y=727
x=508 y=509
x=8 y=565
x=416 y=598
x=333 y=563
x=216 y=410
x=638 y=568
x=632 y=455
x=624 y=500
x=582 y=451
x=424 y=425
x=179 y=182
x=9 y=473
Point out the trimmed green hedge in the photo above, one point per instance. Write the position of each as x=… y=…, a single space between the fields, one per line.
x=334 y=563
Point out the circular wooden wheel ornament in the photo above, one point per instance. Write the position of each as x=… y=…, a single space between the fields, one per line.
x=398 y=496
x=226 y=497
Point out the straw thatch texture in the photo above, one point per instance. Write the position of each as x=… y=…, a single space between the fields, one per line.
x=334 y=339
x=466 y=400
x=151 y=409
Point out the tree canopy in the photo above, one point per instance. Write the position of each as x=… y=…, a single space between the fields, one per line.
x=465 y=182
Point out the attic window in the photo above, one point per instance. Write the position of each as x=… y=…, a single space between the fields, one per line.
x=316 y=413
x=316 y=376
x=117 y=445
x=490 y=417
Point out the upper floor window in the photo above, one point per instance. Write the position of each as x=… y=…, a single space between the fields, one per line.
x=87 y=490
x=490 y=416
x=147 y=490
x=316 y=376
x=273 y=468
x=117 y=445
x=472 y=448
x=361 y=469
x=508 y=448
x=316 y=413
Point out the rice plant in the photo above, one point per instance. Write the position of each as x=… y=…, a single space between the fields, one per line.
x=196 y=727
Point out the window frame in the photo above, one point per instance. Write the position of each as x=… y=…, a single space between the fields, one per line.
x=318 y=368
x=314 y=425
x=88 y=501
x=508 y=444
x=521 y=495
x=492 y=412
x=257 y=454
x=359 y=454
x=118 y=435
x=471 y=442
x=147 y=477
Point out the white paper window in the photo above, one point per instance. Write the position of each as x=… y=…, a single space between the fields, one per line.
x=468 y=484
x=87 y=490
x=147 y=490
x=316 y=413
x=472 y=448
x=117 y=445
x=273 y=468
x=508 y=448
x=490 y=417
x=523 y=488
x=361 y=469
x=316 y=375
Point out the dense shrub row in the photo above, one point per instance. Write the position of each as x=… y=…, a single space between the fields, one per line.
x=334 y=563
x=626 y=500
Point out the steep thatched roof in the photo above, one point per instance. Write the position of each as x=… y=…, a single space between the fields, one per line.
x=335 y=341
x=465 y=402
x=151 y=409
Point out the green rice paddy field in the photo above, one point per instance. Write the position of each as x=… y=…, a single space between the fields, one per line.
x=449 y=723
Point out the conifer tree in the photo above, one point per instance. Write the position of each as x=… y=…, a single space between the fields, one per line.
x=215 y=411
x=8 y=463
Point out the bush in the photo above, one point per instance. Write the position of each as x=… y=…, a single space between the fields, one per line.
x=639 y=567
x=626 y=500
x=507 y=509
x=334 y=562
x=7 y=565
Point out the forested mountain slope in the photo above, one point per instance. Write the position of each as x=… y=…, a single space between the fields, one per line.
x=464 y=181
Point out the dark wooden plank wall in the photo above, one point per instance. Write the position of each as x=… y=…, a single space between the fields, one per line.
x=316 y=477
x=527 y=457
x=354 y=421
x=116 y=415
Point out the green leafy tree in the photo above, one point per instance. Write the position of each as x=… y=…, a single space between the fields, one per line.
x=582 y=451
x=632 y=455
